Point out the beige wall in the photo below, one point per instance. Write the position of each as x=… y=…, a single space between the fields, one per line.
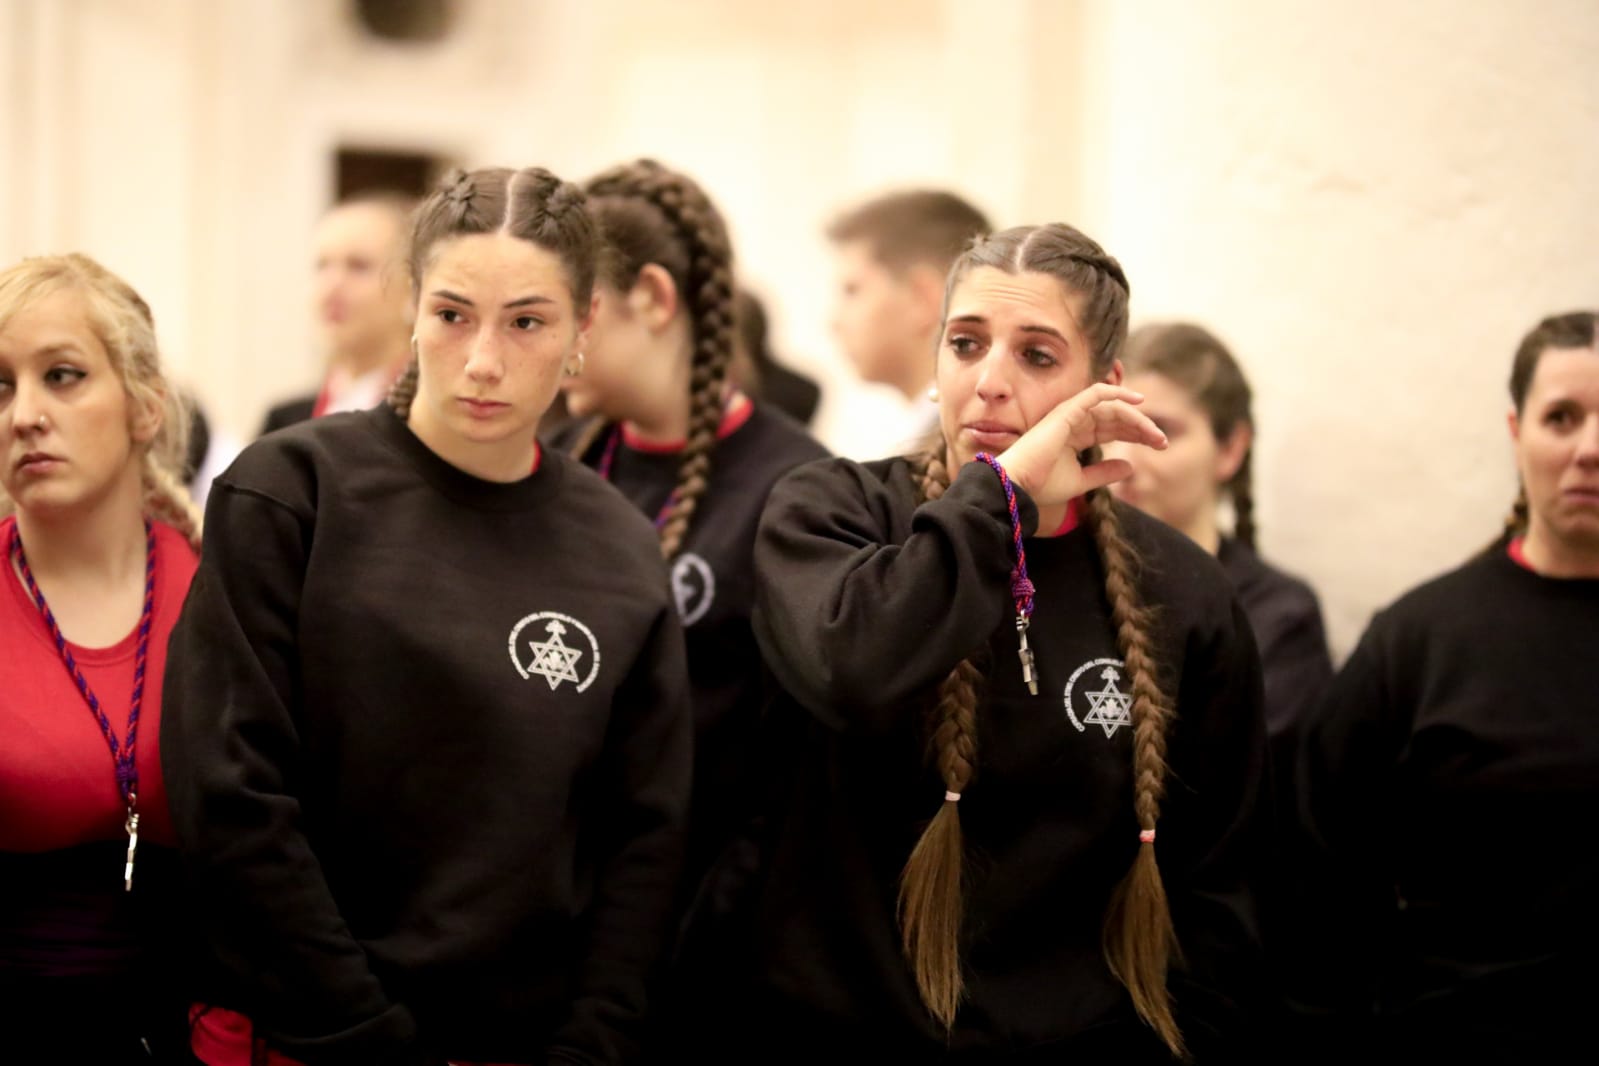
x=1371 y=201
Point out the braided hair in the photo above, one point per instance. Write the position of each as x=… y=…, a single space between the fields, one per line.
x=125 y=327
x=1140 y=940
x=649 y=214
x=1193 y=358
x=530 y=204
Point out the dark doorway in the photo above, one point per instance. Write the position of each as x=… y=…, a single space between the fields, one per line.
x=366 y=170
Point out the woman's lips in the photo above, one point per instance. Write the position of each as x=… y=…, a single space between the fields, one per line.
x=37 y=463
x=991 y=434
x=483 y=408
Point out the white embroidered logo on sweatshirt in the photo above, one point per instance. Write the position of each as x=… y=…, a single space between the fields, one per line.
x=1106 y=706
x=552 y=657
x=693 y=587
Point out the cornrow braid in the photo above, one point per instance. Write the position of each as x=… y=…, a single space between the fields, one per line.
x=1241 y=488
x=932 y=904
x=167 y=500
x=704 y=276
x=1140 y=939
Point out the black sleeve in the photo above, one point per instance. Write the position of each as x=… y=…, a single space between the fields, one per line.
x=1298 y=667
x=852 y=624
x=230 y=754
x=641 y=805
x=1213 y=839
x=1340 y=904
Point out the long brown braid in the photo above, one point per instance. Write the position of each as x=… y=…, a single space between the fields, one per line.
x=1196 y=360
x=125 y=326
x=530 y=204
x=931 y=890
x=650 y=214
x=1139 y=938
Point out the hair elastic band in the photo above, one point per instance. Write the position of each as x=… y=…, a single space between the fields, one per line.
x=1146 y=835
x=952 y=797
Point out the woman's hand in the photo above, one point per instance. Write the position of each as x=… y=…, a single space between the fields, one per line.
x=1043 y=461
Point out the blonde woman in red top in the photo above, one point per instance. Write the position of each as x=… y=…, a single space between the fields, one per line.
x=99 y=540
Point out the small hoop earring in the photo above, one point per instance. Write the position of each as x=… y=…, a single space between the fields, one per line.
x=572 y=370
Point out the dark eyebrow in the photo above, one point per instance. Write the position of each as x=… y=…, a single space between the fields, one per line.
x=1048 y=331
x=525 y=301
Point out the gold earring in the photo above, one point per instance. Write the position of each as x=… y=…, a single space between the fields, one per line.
x=932 y=394
x=573 y=370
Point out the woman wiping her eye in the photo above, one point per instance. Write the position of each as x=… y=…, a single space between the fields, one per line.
x=1019 y=800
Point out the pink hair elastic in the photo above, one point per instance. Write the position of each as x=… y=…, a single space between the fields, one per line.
x=952 y=797
x=1146 y=835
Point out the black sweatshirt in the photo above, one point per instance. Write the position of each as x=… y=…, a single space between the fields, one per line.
x=713 y=583
x=865 y=602
x=427 y=745
x=1449 y=791
x=1286 y=618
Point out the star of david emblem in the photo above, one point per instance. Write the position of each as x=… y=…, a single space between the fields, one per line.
x=552 y=659
x=1109 y=708
x=568 y=645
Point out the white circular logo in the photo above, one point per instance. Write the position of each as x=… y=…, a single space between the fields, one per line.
x=545 y=652
x=693 y=587
x=1106 y=706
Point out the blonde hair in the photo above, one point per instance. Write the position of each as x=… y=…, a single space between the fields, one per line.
x=123 y=324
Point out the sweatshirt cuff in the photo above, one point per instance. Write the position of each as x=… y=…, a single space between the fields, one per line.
x=977 y=485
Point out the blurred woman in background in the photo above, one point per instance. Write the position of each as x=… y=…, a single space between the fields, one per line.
x=1195 y=391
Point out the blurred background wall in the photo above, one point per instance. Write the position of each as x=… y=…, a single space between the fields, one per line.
x=1371 y=201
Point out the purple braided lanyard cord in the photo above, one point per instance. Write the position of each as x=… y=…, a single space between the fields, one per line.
x=123 y=754
x=1021 y=587
x=608 y=459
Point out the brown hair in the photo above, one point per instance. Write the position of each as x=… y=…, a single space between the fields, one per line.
x=1574 y=329
x=125 y=327
x=649 y=214
x=1194 y=359
x=1140 y=941
x=915 y=227
x=530 y=204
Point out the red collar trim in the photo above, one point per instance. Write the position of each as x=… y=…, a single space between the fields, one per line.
x=1517 y=551
x=1073 y=519
x=739 y=409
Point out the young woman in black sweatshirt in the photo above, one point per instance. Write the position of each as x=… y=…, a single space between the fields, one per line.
x=664 y=424
x=1196 y=392
x=1449 y=784
x=427 y=738
x=1001 y=684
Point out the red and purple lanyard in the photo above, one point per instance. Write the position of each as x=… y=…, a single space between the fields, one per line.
x=1021 y=588
x=122 y=755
